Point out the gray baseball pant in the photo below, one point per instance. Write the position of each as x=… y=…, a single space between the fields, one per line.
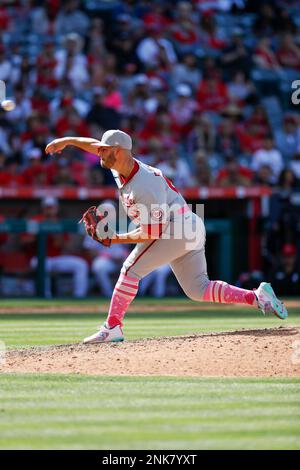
x=186 y=259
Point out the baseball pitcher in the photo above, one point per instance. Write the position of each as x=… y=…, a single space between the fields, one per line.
x=167 y=233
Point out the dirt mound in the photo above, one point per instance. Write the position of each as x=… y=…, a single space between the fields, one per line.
x=263 y=352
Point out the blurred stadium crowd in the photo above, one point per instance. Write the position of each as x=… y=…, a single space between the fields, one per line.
x=203 y=86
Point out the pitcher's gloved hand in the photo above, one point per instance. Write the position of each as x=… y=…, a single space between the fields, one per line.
x=91 y=218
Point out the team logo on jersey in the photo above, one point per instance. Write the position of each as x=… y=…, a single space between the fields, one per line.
x=157 y=214
x=128 y=200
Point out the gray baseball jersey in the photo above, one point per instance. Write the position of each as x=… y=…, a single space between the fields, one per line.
x=150 y=200
x=148 y=197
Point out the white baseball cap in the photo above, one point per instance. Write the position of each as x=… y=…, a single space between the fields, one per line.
x=114 y=138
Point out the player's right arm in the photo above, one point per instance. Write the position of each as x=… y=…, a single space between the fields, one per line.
x=84 y=143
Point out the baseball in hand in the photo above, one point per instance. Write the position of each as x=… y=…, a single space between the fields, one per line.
x=8 y=105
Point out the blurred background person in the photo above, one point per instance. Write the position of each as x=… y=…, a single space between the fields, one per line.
x=61 y=256
x=285 y=277
x=268 y=155
x=105 y=262
x=156 y=282
x=283 y=224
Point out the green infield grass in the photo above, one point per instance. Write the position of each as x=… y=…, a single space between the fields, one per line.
x=40 y=411
x=78 y=412
x=24 y=329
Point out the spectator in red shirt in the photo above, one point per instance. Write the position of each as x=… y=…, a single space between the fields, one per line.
x=288 y=53
x=162 y=128
x=46 y=63
x=210 y=36
x=259 y=117
x=33 y=127
x=251 y=134
x=184 y=30
x=4 y=19
x=63 y=176
x=70 y=122
x=264 y=57
x=10 y=175
x=39 y=102
x=35 y=174
x=184 y=34
x=233 y=174
x=156 y=18
x=250 y=137
x=212 y=94
x=68 y=170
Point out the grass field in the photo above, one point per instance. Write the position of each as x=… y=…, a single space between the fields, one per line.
x=80 y=412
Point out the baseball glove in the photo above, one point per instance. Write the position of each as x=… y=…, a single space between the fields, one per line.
x=91 y=218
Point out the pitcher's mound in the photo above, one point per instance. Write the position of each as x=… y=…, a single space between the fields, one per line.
x=261 y=352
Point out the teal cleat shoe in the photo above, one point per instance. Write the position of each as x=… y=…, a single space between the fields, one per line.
x=268 y=302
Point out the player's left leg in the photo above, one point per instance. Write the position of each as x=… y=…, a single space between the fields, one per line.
x=191 y=273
